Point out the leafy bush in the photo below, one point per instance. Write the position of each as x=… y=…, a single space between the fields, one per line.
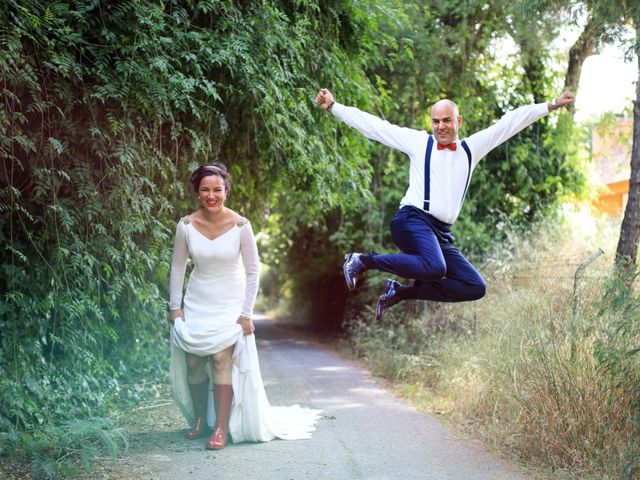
x=65 y=451
x=106 y=108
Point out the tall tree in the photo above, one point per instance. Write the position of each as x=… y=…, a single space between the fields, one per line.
x=453 y=55
x=627 y=250
x=582 y=49
x=607 y=19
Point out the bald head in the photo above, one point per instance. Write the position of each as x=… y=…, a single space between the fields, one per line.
x=445 y=121
x=445 y=103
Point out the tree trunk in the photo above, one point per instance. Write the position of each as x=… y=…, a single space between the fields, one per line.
x=627 y=251
x=579 y=52
x=532 y=53
x=533 y=65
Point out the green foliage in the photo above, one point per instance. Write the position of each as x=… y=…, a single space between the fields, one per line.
x=106 y=107
x=65 y=451
x=618 y=352
x=449 y=50
x=523 y=178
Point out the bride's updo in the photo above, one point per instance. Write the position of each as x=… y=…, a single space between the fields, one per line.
x=206 y=171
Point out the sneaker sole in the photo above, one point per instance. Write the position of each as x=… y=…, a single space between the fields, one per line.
x=387 y=284
x=350 y=287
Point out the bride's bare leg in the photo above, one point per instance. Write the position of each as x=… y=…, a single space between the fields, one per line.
x=221 y=366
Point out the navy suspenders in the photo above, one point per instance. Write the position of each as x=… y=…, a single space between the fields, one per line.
x=427 y=172
x=466 y=185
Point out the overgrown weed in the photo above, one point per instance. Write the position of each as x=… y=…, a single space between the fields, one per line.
x=66 y=451
x=546 y=366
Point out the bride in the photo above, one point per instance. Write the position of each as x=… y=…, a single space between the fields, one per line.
x=215 y=374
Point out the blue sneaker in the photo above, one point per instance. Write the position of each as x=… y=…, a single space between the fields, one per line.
x=352 y=269
x=388 y=298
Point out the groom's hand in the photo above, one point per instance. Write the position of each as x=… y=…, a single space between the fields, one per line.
x=325 y=98
x=566 y=99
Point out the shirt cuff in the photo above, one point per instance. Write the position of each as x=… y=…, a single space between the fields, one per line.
x=542 y=108
x=337 y=109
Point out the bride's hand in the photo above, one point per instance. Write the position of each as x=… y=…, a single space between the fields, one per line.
x=177 y=313
x=247 y=325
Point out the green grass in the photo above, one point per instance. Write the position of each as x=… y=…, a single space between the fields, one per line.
x=540 y=372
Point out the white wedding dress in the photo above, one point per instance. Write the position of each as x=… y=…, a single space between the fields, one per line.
x=219 y=290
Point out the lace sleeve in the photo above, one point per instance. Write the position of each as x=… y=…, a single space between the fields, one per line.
x=178 y=267
x=250 y=259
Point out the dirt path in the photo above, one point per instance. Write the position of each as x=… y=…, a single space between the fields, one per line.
x=366 y=432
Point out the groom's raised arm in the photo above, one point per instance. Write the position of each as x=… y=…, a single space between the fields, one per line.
x=404 y=139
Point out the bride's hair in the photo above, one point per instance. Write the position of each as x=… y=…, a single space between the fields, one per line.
x=206 y=171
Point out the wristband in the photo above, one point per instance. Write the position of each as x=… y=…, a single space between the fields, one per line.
x=331 y=106
x=554 y=104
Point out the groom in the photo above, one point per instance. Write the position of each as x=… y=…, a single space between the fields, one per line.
x=440 y=168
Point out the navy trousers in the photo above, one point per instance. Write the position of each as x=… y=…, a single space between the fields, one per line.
x=428 y=255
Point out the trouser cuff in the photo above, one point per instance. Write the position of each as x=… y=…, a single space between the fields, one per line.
x=367 y=261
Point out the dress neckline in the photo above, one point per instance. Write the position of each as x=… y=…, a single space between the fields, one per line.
x=214 y=238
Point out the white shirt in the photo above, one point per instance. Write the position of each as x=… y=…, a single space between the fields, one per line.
x=449 y=170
